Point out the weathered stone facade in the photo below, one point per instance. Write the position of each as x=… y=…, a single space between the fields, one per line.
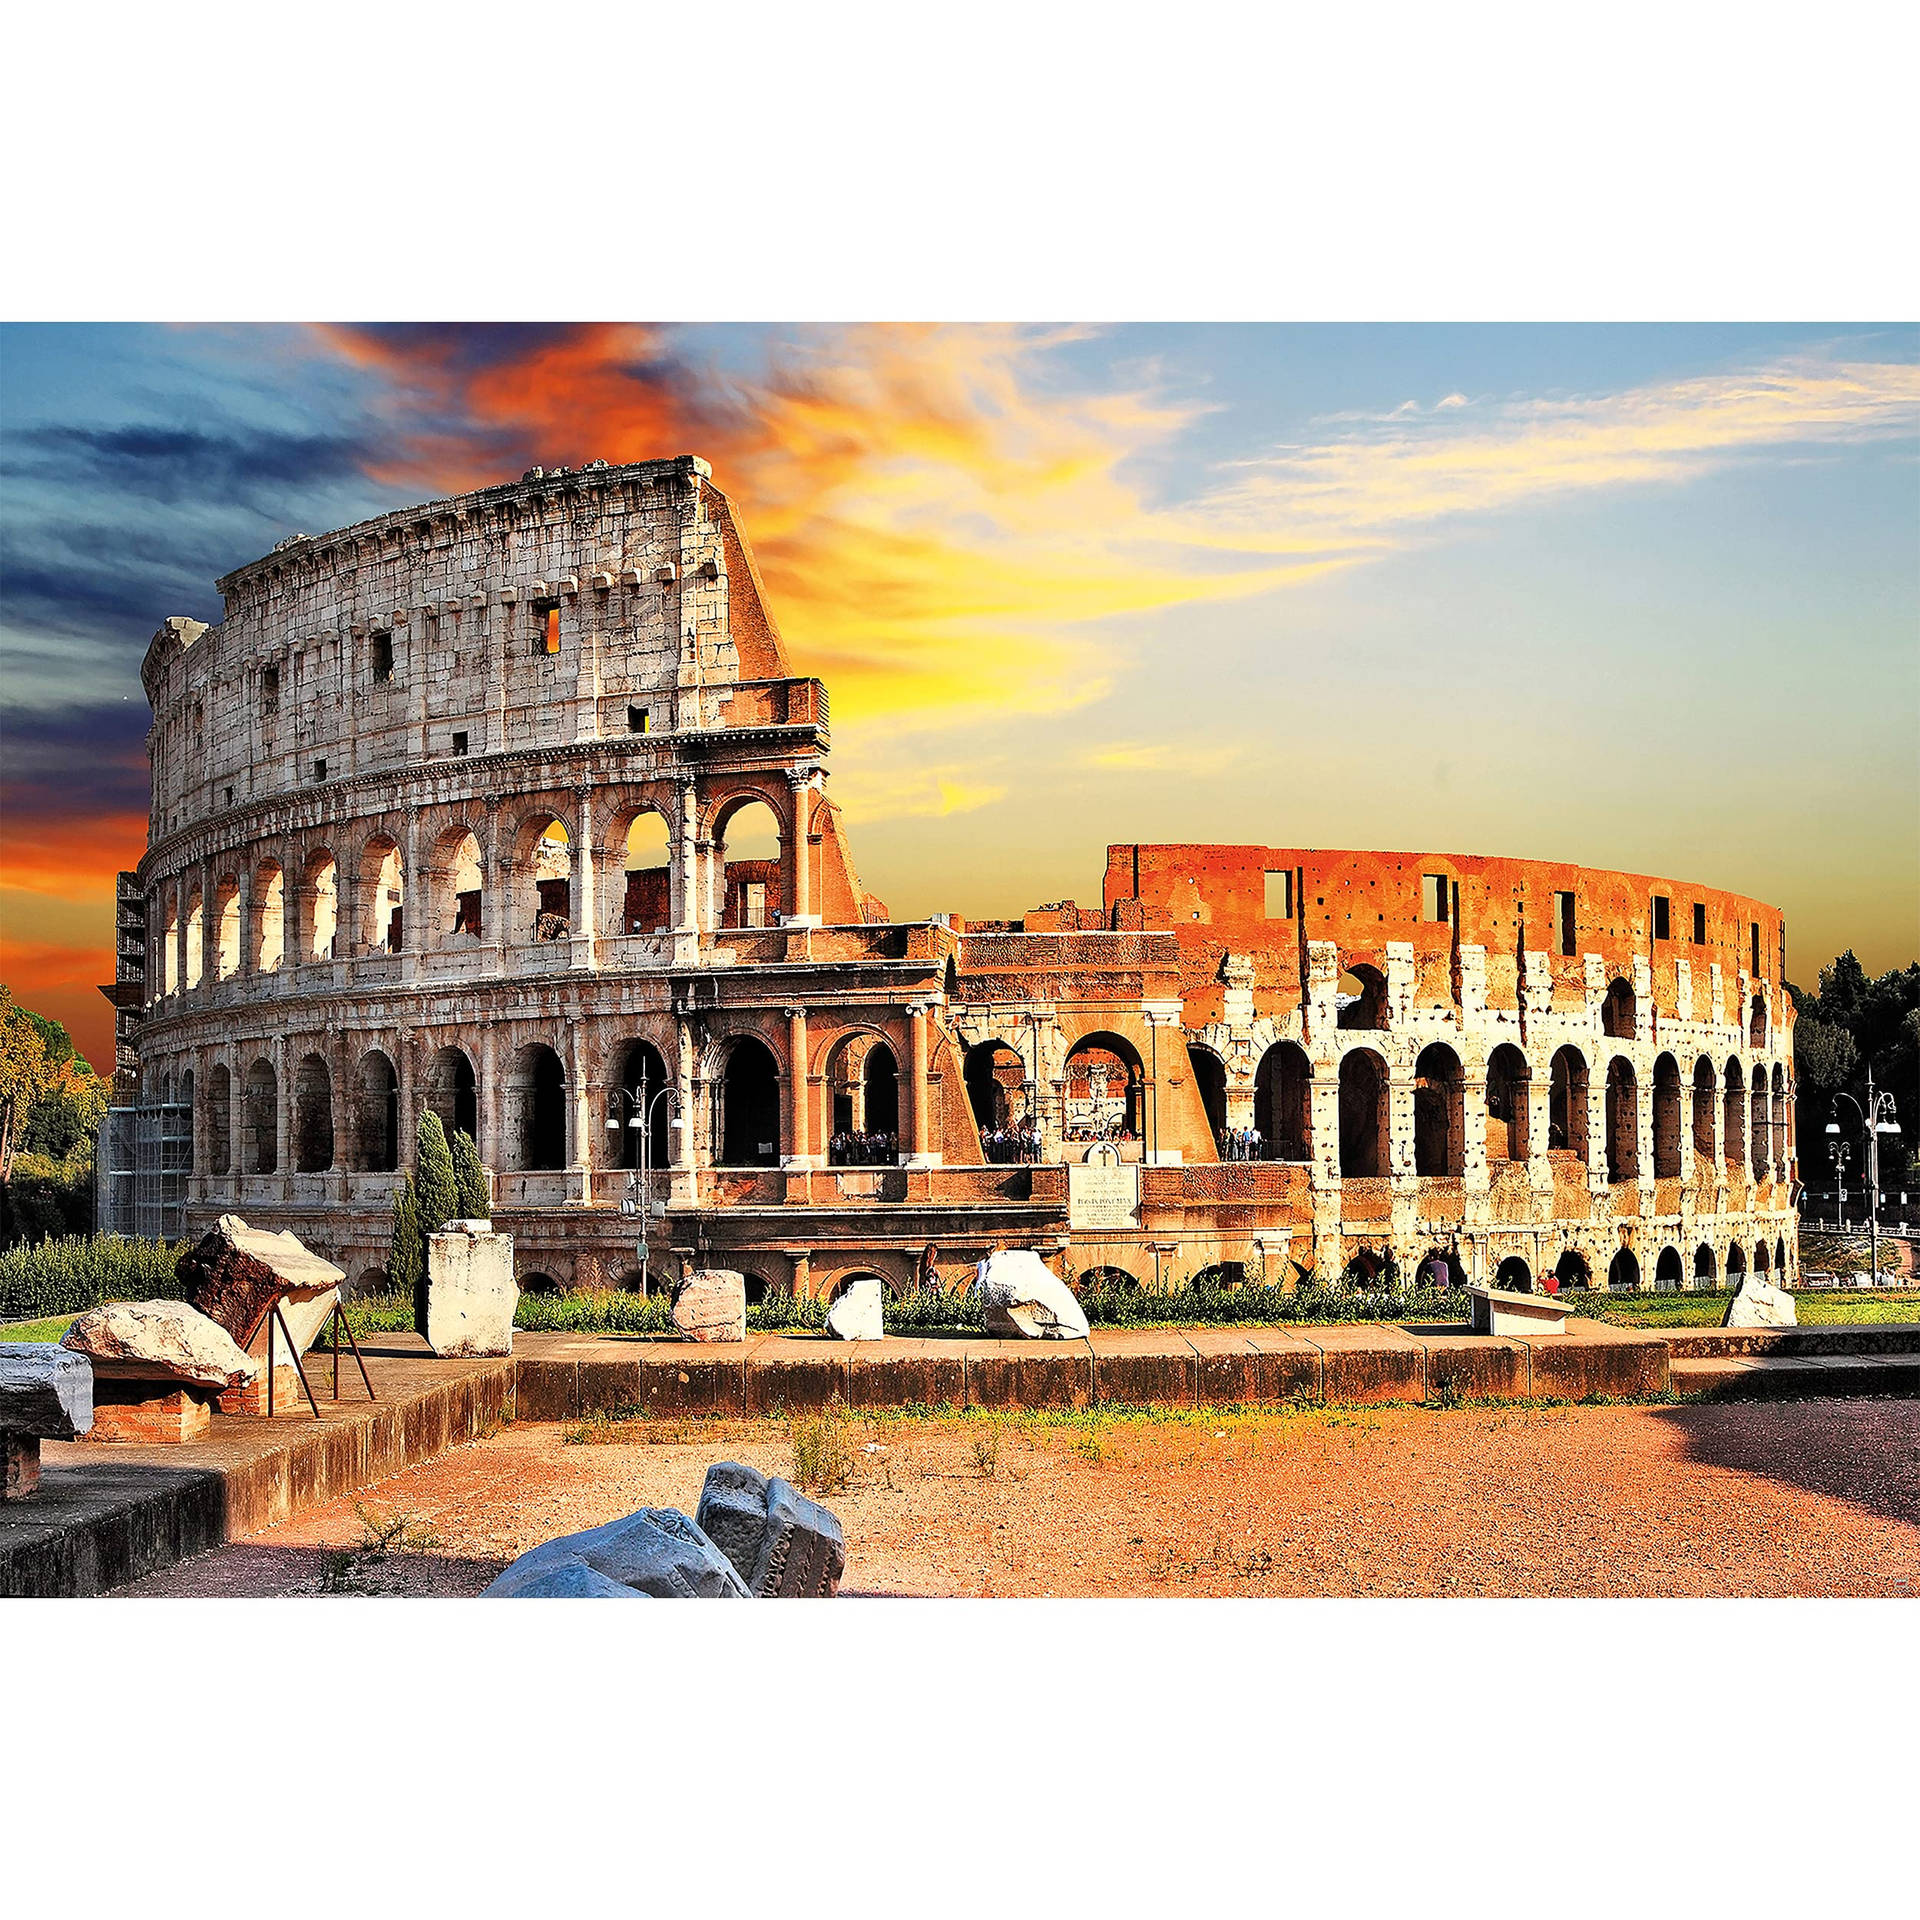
x=390 y=866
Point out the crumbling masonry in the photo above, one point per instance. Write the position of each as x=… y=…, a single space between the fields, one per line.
x=441 y=815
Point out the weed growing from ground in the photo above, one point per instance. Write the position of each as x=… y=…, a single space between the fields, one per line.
x=822 y=1449
x=986 y=1451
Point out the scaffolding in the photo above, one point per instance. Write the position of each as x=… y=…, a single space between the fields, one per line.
x=145 y=1154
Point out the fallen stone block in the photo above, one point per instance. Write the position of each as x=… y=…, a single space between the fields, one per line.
x=1759 y=1303
x=164 y=1340
x=237 y=1274
x=712 y=1305
x=1024 y=1300
x=471 y=1295
x=568 y=1579
x=783 y=1545
x=859 y=1313
x=657 y=1551
x=1502 y=1310
x=129 y=1414
x=46 y=1393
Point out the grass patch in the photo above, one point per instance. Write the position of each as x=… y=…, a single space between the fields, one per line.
x=41 y=1330
x=1654 y=1311
x=822 y=1449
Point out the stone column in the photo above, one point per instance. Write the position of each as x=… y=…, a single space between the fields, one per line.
x=798 y=1130
x=243 y=878
x=800 y=890
x=581 y=904
x=180 y=931
x=283 y=1112
x=1475 y=1177
x=710 y=862
x=922 y=1116
x=1597 y=1126
x=493 y=891
x=1539 y=1128
x=412 y=907
x=1399 y=1129
x=492 y=1146
x=686 y=869
x=291 y=877
x=209 y=928
x=688 y=1163
x=580 y=1159
x=1643 y=1140
x=406 y=1120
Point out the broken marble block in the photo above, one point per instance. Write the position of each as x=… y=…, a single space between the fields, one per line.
x=1023 y=1299
x=783 y=1545
x=162 y=1340
x=859 y=1313
x=237 y=1274
x=711 y=1305
x=657 y=1551
x=471 y=1295
x=46 y=1393
x=1759 y=1303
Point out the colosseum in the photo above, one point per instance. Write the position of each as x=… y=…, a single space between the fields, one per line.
x=456 y=809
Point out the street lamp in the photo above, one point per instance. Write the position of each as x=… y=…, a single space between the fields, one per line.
x=637 y=1106
x=1878 y=1116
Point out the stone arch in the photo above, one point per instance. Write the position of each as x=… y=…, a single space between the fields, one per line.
x=541 y=905
x=1780 y=1260
x=1514 y=1275
x=456 y=886
x=452 y=1090
x=219 y=1118
x=268 y=939
x=1210 y=1080
x=1283 y=1102
x=377 y=1103
x=382 y=886
x=862 y=1076
x=1734 y=1116
x=1623 y=1122
x=1706 y=1270
x=638 y=862
x=997 y=1088
x=1762 y=1260
x=746 y=1105
x=1364 y=1118
x=312 y=1115
x=260 y=1119
x=1706 y=1092
x=1572 y=1271
x=840 y=1282
x=1757 y=1023
x=1114 y=1279
x=635 y=1111
x=1736 y=1263
x=1439 y=1267
x=1104 y=1086
x=537 y=1097
x=1619 y=1011
x=1667 y=1101
x=227 y=928
x=1361 y=998
x=1439 y=1118
x=1623 y=1272
x=320 y=904
x=1667 y=1270
x=1567 y=1103
x=1509 y=1082
x=750 y=885
x=537 y=1282
x=1761 y=1132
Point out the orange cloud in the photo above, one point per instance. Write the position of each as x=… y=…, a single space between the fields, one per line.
x=71 y=859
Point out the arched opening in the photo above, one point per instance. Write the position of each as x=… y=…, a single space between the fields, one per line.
x=1782 y=1144
x=1619 y=1012
x=1667 y=1271
x=1705 y=1092
x=170 y=946
x=646 y=898
x=312 y=1116
x=1706 y=1272
x=863 y=1088
x=259 y=1133
x=747 y=856
x=1780 y=1260
x=1513 y=1275
x=843 y=1281
x=1439 y=1124
x=1508 y=1084
x=1105 y=1084
x=631 y=1280
x=1762 y=1134
x=1666 y=1118
x=996 y=1081
x=747 y=1125
x=457 y=886
x=383 y=889
x=269 y=917
x=881 y=1072
x=1439 y=1268
x=639 y=1116
x=196 y=935
x=1623 y=1122
x=1361 y=999
x=1623 y=1272
x=537 y=1282
x=1762 y=1260
x=1733 y=1145
x=320 y=903
x=552 y=861
x=1567 y=1103
x=1367 y=1268
x=219 y=1119
x=1571 y=1273
x=186 y=1100
x=1223 y=1276
x=1111 y=1279
x=453 y=1093
x=1736 y=1264
x=1757 y=1023
x=1363 y=1115
x=1282 y=1102
x=378 y=1113
x=226 y=898
x=538 y=1094
x=1210 y=1078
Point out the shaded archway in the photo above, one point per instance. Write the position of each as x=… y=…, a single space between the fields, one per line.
x=1623 y=1122
x=1757 y=1023
x=1363 y=1115
x=996 y=1080
x=1623 y=1272
x=382 y=895
x=550 y=857
x=863 y=1094
x=1666 y=1118
x=1111 y=1279
x=643 y=902
x=1509 y=1081
x=537 y=1098
x=1619 y=1012
x=260 y=1119
x=1572 y=1272
x=749 y=849
x=1567 y=1103
x=320 y=905
x=1706 y=1092
x=1706 y=1272
x=1762 y=1260
x=269 y=936
x=1733 y=1145
x=637 y=1113
x=1210 y=1080
x=747 y=1098
x=219 y=1118
x=1439 y=1125
x=312 y=1115
x=457 y=886
x=1667 y=1271
x=1283 y=1102
x=1361 y=997
x=1736 y=1264
x=1514 y=1275
x=453 y=1093
x=377 y=1106
x=1105 y=1083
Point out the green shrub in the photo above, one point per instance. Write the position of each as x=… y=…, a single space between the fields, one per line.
x=48 y=1198
x=471 y=1179
x=78 y=1271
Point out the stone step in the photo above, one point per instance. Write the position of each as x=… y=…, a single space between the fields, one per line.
x=1757 y=1376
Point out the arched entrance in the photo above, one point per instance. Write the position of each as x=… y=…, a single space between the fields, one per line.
x=1514 y=1275
x=453 y=1093
x=1508 y=1083
x=537 y=1097
x=378 y=1113
x=747 y=1095
x=1623 y=1273
x=1104 y=1087
x=1282 y=1102
x=638 y=1112
x=1363 y=1123
x=1667 y=1271
x=1439 y=1128
x=1567 y=1104
x=1210 y=1078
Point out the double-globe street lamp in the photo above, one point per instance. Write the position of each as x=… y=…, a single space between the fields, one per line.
x=1878 y=1116
x=635 y=1107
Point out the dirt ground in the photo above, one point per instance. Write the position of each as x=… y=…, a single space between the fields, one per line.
x=1798 y=1498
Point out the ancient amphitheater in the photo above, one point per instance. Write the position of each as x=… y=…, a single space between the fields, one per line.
x=452 y=810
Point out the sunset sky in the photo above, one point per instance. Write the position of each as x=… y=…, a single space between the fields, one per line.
x=1641 y=597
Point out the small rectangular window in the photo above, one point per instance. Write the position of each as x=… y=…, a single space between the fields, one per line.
x=382 y=647
x=1699 y=923
x=754 y=903
x=459 y=743
x=270 y=685
x=1564 y=924
x=546 y=627
x=1280 y=895
x=1755 y=968
x=319 y=769
x=1660 y=904
x=229 y=796
x=1433 y=896
x=639 y=720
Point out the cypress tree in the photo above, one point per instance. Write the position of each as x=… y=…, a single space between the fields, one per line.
x=436 y=1188
x=406 y=1259
x=471 y=1178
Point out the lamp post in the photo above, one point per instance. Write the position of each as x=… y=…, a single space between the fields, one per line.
x=1878 y=1116
x=637 y=1106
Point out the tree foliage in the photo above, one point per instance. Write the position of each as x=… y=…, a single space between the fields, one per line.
x=471 y=1178
x=51 y=1104
x=1853 y=1022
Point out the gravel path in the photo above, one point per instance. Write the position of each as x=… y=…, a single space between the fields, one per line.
x=1803 y=1498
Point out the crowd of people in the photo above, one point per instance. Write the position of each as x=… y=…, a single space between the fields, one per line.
x=1241 y=1143
x=1007 y=1146
x=849 y=1149
x=1111 y=1130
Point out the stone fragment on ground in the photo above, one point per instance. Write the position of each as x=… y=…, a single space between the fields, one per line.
x=1759 y=1303
x=859 y=1313
x=712 y=1305
x=783 y=1545
x=657 y=1551
x=1023 y=1299
x=237 y=1274
x=162 y=1340
x=471 y=1294
x=45 y=1391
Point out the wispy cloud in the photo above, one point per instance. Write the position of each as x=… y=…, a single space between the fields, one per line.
x=1191 y=757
